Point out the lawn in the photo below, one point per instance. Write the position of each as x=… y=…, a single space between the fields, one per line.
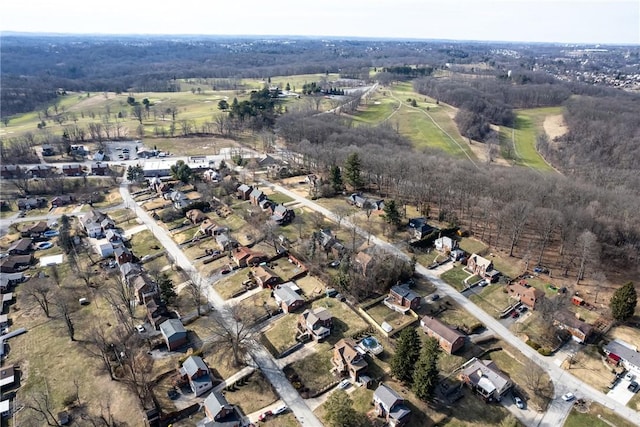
x=315 y=369
x=455 y=277
x=596 y=416
x=258 y=303
x=491 y=298
x=282 y=333
x=310 y=285
x=252 y=395
x=345 y=321
x=231 y=283
x=381 y=313
x=144 y=243
x=454 y=315
x=473 y=246
x=279 y=198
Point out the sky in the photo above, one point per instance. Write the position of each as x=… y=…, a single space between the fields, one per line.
x=568 y=21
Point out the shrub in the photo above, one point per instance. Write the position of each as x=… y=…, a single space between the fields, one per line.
x=533 y=344
x=544 y=351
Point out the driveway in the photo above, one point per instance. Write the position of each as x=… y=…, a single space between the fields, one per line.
x=620 y=393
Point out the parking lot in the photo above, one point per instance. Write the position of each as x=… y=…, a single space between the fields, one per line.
x=123 y=150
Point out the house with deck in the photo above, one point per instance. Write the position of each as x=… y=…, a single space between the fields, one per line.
x=316 y=322
x=197 y=373
x=391 y=406
x=484 y=377
x=402 y=299
x=347 y=360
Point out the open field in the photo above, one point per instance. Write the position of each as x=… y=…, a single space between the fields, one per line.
x=253 y=395
x=521 y=139
x=282 y=333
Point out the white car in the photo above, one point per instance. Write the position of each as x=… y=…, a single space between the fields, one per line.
x=140 y=328
x=280 y=409
x=629 y=376
x=344 y=384
x=519 y=403
x=568 y=397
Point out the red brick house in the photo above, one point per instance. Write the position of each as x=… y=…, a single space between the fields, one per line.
x=265 y=277
x=348 y=361
x=100 y=169
x=402 y=299
x=479 y=265
x=450 y=340
x=72 y=170
x=526 y=294
x=243 y=191
x=244 y=256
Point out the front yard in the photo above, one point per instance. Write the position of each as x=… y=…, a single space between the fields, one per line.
x=492 y=298
x=252 y=393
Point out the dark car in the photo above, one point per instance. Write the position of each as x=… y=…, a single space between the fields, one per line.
x=173 y=394
x=633 y=386
x=541 y=269
x=515 y=314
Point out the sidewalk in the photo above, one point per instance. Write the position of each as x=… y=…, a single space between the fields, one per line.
x=233 y=378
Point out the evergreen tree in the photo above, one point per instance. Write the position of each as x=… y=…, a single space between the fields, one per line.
x=181 y=171
x=391 y=213
x=623 y=303
x=353 y=171
x=135 y=173
x=167 y=293
x=425 y=375
x=406 y=356
x=336 y=179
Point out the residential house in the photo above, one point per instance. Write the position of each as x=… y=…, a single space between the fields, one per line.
x=196 y=216
x=128 y=270
x=484 y=377
x=63 y=200
x=526 y=294
x=48 y=150
x=316 y=322
x=364 y=261
x=98 y=156
x=621 y=352
x=419 y=229
x=95 y=223
x=210 y=228
x=402 y=299
x=21 y=247
x=103 y=247
x=7 y=299
x=157 y=312
x=347 y=360
x=287 y=298
x=282 y=215
x=450 y=340
x=7 y=376
x=4 y=322
x=445 y=244
x=16 y=263
x=225 y=242
x=243 y=191
x=100 y=169
x=220 y=413
x=35 y=230
x=197 y=373
x=10 y=171
x=174 y=333
x=391 y=406
x=210 y=175
x=479 y=265
x=580 y=331
x=31 y=203
x=41 y=171
x=256 y=196
x=244 y=256
x=7 y=280
x=330 y=243
x=114 y=237
x=265 y=277
x=266 y=205
x=72 y=170
x=144 y=288
x=122 y=254
x=178 y=198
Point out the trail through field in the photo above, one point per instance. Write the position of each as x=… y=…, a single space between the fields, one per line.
x=434 y=122
x=520 y=158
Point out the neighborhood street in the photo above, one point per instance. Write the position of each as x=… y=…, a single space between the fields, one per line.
x=259 y=354
x=563 y=380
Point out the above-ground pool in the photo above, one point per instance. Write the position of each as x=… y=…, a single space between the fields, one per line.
x=372 y=345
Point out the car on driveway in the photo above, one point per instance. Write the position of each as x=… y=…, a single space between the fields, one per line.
x=629 y=376
x=265 y=416
x=633 y=386
x=50 y=233
x=435 y=297
x=44 y=245
x=280 y=410
x=515 y=314
x=140 y=328
x=344 y=384
x=568 y=397
x=519 y=403
x=540 y=269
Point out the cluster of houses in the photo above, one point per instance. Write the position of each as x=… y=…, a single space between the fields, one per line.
x=280 y=214
x=44 y=170
x=20 y=253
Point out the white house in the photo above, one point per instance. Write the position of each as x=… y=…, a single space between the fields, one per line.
x=103 y=247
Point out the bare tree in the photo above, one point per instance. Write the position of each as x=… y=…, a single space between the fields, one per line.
x=98 y=346
x=194 y=287
x=588 y=252
x=515 y=216
x=137 y=366
x=42 y=406
x=232 y=334
x=120 y=296
x=62 y=302
x=546 y=221
x=39 y=290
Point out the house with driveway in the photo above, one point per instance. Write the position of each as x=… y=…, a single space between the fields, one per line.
x=391 y=406
x=316 y=322
x=527 y=295
x=580 y=331
x=174 y=333
x=347 y=360
x=450 y=340
x=196 y=372
x=402 y=299
x=220 y=413
x=622 y=353
x=484 y=377
x=287 y=297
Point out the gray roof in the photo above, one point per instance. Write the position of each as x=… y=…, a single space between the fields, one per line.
x=244 y=188
x=405 y=292
x=130 y=268
x=192 y=365
x=624 y=352
x=488 y=370
x=256 y=193
x=21 y=245
x=286 y=294
x=215 y=402
x=387 y=396
x=121 y=250
x=172 y=327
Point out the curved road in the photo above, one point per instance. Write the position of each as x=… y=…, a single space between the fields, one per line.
x=563 y=380
x=260 y=355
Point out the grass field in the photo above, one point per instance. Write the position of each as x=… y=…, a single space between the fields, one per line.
x=521 y=139
x=596 y=416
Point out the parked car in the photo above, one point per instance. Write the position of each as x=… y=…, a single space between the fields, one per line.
x=629 y=376
x=280 y=410
x=173 y=394
x=541 y=269
x=568 y=397
x=44 y=245
x=344 y=384
x=519 y=403
x=140 y=328
x=435 y=297
x=265 y=415
x=515 y=314
x=340 y=297
x=50 y=233
x=633 y=386
x=522 y=308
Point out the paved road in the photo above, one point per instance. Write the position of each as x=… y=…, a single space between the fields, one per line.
x=260 y=355
x=564 y=381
